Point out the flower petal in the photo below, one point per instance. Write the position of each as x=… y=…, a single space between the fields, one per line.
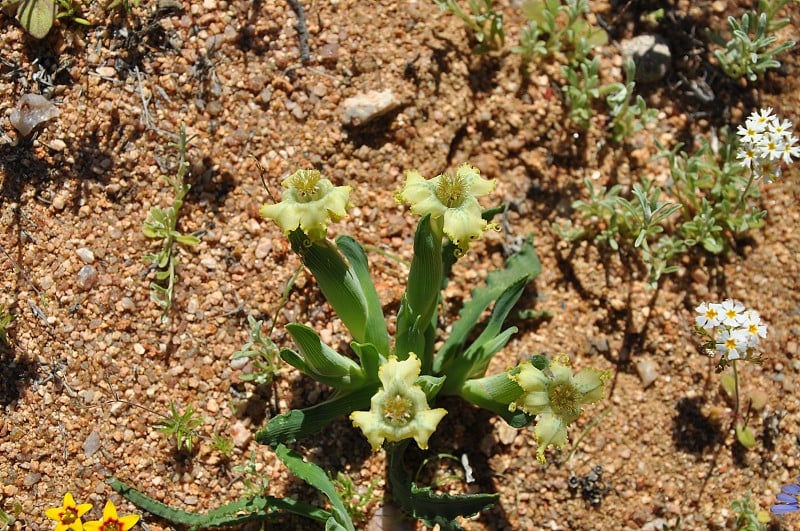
x=549 y=430
x=784 y=509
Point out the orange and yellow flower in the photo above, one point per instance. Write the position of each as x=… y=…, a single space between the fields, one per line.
x=111 y=522
x=68 y=516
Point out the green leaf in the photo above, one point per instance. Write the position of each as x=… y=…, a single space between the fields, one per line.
x=745 y=436
x=426 y=505
x=522 y=267
x=321 y=359
x=370 y=358
x=375 y=332
x=238 y=512
x=317 y=478
x=36 y=16
x=339 y=283
x=300 y=423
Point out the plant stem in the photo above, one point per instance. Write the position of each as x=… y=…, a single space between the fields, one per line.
x=735 y=392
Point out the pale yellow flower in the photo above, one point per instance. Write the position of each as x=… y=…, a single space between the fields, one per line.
x=399 y=410
x=309 y=203
x=451 y=202
x=557 y=397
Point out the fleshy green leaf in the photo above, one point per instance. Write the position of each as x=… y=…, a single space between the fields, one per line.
x=322 y=360
x=317 y=478
x=300 y=423
x=236 y=513
x=36 y=16
x=426 y=505
x=375 y=331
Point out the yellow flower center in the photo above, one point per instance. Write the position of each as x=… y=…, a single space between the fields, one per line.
x=398 y=410
x=711 y=314
x=306 y=186
x=452 y=190
x=69 y=515
x=563 y=397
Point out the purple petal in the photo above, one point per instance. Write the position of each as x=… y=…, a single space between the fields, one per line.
x=784 y=509
x=793 y=489
x=787 y=498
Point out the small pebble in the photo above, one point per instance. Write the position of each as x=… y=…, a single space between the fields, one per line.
x=651 y=55
x=87 y=277
x=364 y=108
x=241 y=435
x=86 y=256
x=648 y=371
x=91 y=444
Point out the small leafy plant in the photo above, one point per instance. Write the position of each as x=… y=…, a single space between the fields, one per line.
x=482 y=19
x=713 y=199
x=7 y=519
x=37 y=16
x=181 y=426
x=629 y=113
x=356 y=499
x=162 y=224
x=750 y=51
x=263 y=355
x=748 y=516
x=6 y=319
x=558 y=26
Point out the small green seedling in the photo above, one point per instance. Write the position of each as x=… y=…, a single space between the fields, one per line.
x=262 y=353
x=224 y=445
x=6 y=318
x=181 y=426
x=356 y=500
x=483 y=20
x=748 y=516
x=162 y=224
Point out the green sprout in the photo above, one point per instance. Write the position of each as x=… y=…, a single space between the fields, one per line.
x=356 y=499
x=748 y=516
x=483 y=20
x=7 y=519
x=750 y=51
x=581 y=90
x=224 y=445
x=6 y=318
x=629 y=114
x=162 y=224
x=181 y=426
x=263 y=354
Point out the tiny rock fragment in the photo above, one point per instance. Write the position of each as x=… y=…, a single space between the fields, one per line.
x=648 y=371
x=86 y=255
x=651 y=55
x=91 y=444
x=363 y=108
x=87 y=277
x=241 y=435
x=31 y=110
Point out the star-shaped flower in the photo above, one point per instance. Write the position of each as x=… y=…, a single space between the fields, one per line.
x=309 y=203
x=110 y=521
x=557 y=397
x=451 y=202
x=68 y=516
x=399 y=410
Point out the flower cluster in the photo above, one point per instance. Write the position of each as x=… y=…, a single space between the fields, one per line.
x=735 y=331
x=789 y=499
x=68 y=517
x=765 y=142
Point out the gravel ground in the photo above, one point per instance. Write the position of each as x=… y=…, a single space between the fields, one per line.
x=90 y=366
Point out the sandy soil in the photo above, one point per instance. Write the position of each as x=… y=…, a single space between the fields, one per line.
x=87 y=332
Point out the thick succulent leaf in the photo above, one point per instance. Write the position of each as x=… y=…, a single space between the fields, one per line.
x=338 y=282
x=319 y=357
x=419 y=303
x=317 y=478
x=235 y=513
x=300 y=423
x=426 y=505
x=370 y=358
x=522 y=265
x=375 y=331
